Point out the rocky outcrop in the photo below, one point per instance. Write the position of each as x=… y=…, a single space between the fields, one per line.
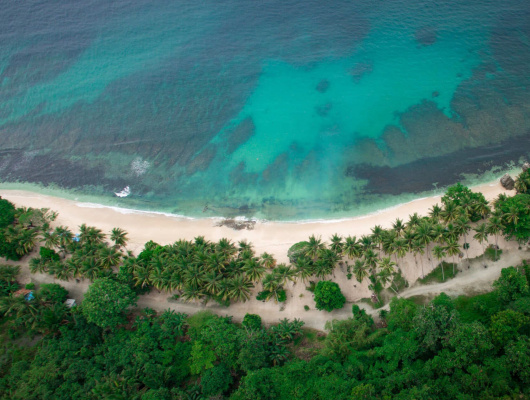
x=507 y=182
x=526 y=166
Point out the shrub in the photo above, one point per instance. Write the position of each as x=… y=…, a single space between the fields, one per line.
x=216 y=380
x=262 y=296
x=48 y=254
x=7 y=213
x=328 y=296
x=252 y=322
x=30 y=286
x=53 y=292
x=296 y=250
x=306 y=307
x=282 y=296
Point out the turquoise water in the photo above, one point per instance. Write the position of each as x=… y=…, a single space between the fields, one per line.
x=274 y=110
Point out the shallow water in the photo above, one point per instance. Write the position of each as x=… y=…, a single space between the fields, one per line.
x=274 y=110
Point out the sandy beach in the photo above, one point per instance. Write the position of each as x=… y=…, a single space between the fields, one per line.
x=272 y=237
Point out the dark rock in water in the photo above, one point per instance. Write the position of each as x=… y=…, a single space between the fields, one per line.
x=425 y=36
x=526 y=166
x=237 y=224
x=507 y=182
x=323 y=86
x=323 y=110
x=435 y=93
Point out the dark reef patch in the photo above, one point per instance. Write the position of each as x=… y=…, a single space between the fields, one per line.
x=426 y=36
x=360 y=69
x=240 y=134
x=323 y=86
x=421 y=175
x=16 y=165
x=324 y=109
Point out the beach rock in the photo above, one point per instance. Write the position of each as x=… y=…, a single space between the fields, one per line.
x=507 y=182
x=526 y=166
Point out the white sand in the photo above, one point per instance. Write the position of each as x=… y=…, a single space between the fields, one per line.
x=272 y=237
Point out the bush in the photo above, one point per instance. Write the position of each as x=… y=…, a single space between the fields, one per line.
x=511 y=285
x=53 y=292
x=7 y=213
x=216 y=380
x=252 y=322
x=262 y=296
x=282 y=296
x=306 y=307
x=296 y=250
x=328 y=296
x=30 y=286
x=48 y=254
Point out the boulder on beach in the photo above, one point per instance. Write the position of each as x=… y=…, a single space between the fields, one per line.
x=526 y=166
x=507 y=182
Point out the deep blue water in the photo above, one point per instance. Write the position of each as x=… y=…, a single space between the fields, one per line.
x=277 y=109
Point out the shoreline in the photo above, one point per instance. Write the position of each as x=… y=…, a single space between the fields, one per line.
x=274 y=237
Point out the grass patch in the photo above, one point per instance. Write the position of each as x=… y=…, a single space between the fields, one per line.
x=400 y=282
x=435 y=276
x=420 y=299
x=199 y=320
x=490 y=254
x=477 y=308
x=308 y=344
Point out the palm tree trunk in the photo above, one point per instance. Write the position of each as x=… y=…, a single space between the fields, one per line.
x=443 y=274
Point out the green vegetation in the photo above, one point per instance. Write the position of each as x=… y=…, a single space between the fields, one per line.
x=469 y=347
x=328 y=296
x=493 y=254
x=442 y=272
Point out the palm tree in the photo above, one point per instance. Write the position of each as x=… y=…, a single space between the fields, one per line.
x=522 y=182
x=481 y=235
x=451 y=212
x=284 y=273
x=37 y=265
x=193 y=276
x=157 y=278
x=377 y=236
x=360 y=270
x=511 y=217
x=424 y=235
x=435 y=212
x=398 y=226
x=239 y=288
x=400 y=248
x=462 y=228
x=417 y=248
x=366 y=243
x=65 y=237
x=452 y=248
x=352 y=248
x=304 y=268
x=50 y=239
x=313 y=247
x=245 y=246
x=190 y=293
x=384 y=277
x=253 y=269
x=212 y=283
x=119 y=237
x=414 y=220
x=371 y=260
x=439 y=253
x=141 y=276
x=268 y=260
x=494 y=227
x=226 y=247
x=108 y=257
x=337 y=244
x=481 y=208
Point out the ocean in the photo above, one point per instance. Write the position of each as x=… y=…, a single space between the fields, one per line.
x=280 y=109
